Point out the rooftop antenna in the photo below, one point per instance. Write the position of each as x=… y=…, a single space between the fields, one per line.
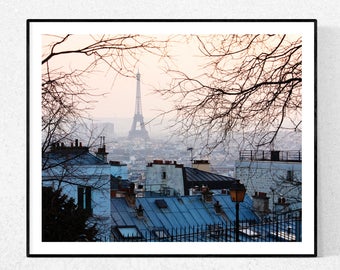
x=191 y=158
x=102 y=141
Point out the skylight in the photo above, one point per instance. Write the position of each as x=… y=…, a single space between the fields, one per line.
x=161 y=233
x=161 y=203
x=129 y=232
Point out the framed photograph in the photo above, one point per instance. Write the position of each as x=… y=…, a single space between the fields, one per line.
x=171 y=138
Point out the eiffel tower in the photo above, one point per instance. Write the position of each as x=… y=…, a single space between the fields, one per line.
x=138 y=128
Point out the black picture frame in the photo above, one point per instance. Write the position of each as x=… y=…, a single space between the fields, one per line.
x=31 y=31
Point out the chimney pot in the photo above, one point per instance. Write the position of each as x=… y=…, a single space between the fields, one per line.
x=218 y=207
x=139 y=211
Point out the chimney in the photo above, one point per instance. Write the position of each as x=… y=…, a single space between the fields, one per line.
x=130 y=195
x=194 y=190
x=207 y=195
x=281 y=205
x=130 y=199
x=101 y=152
x=202 y=165
x=140 y=211
x=217 y=207
x=261 y=203
x=132 y=188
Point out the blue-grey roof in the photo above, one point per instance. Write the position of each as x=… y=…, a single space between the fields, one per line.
x=173 y=213
x=71 y=156
x=188 y=218
x=195 y=177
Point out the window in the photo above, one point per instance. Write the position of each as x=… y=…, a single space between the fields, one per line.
x=129 y=232
x=161 y=233
x=84 y=198
x=290 y=176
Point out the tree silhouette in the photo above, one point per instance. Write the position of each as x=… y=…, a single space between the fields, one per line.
x=66 y=97
x=250 y=85
x=62 y=220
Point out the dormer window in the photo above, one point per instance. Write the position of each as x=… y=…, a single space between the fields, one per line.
x=161 y=203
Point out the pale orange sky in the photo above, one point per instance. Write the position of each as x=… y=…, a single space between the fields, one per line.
x=119 y=100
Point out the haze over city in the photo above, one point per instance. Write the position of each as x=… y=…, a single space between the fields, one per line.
x=114 y=95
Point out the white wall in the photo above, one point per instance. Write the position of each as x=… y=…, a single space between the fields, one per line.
x=173 y=179
x=262 y=176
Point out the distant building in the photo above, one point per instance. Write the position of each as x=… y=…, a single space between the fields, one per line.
x=169 y=178
x=272 y=178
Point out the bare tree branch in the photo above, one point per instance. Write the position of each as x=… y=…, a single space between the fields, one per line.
x=250 y=84
x=66 y=98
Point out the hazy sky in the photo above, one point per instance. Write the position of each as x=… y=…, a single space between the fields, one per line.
x=119 y=100
x=120 y=92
